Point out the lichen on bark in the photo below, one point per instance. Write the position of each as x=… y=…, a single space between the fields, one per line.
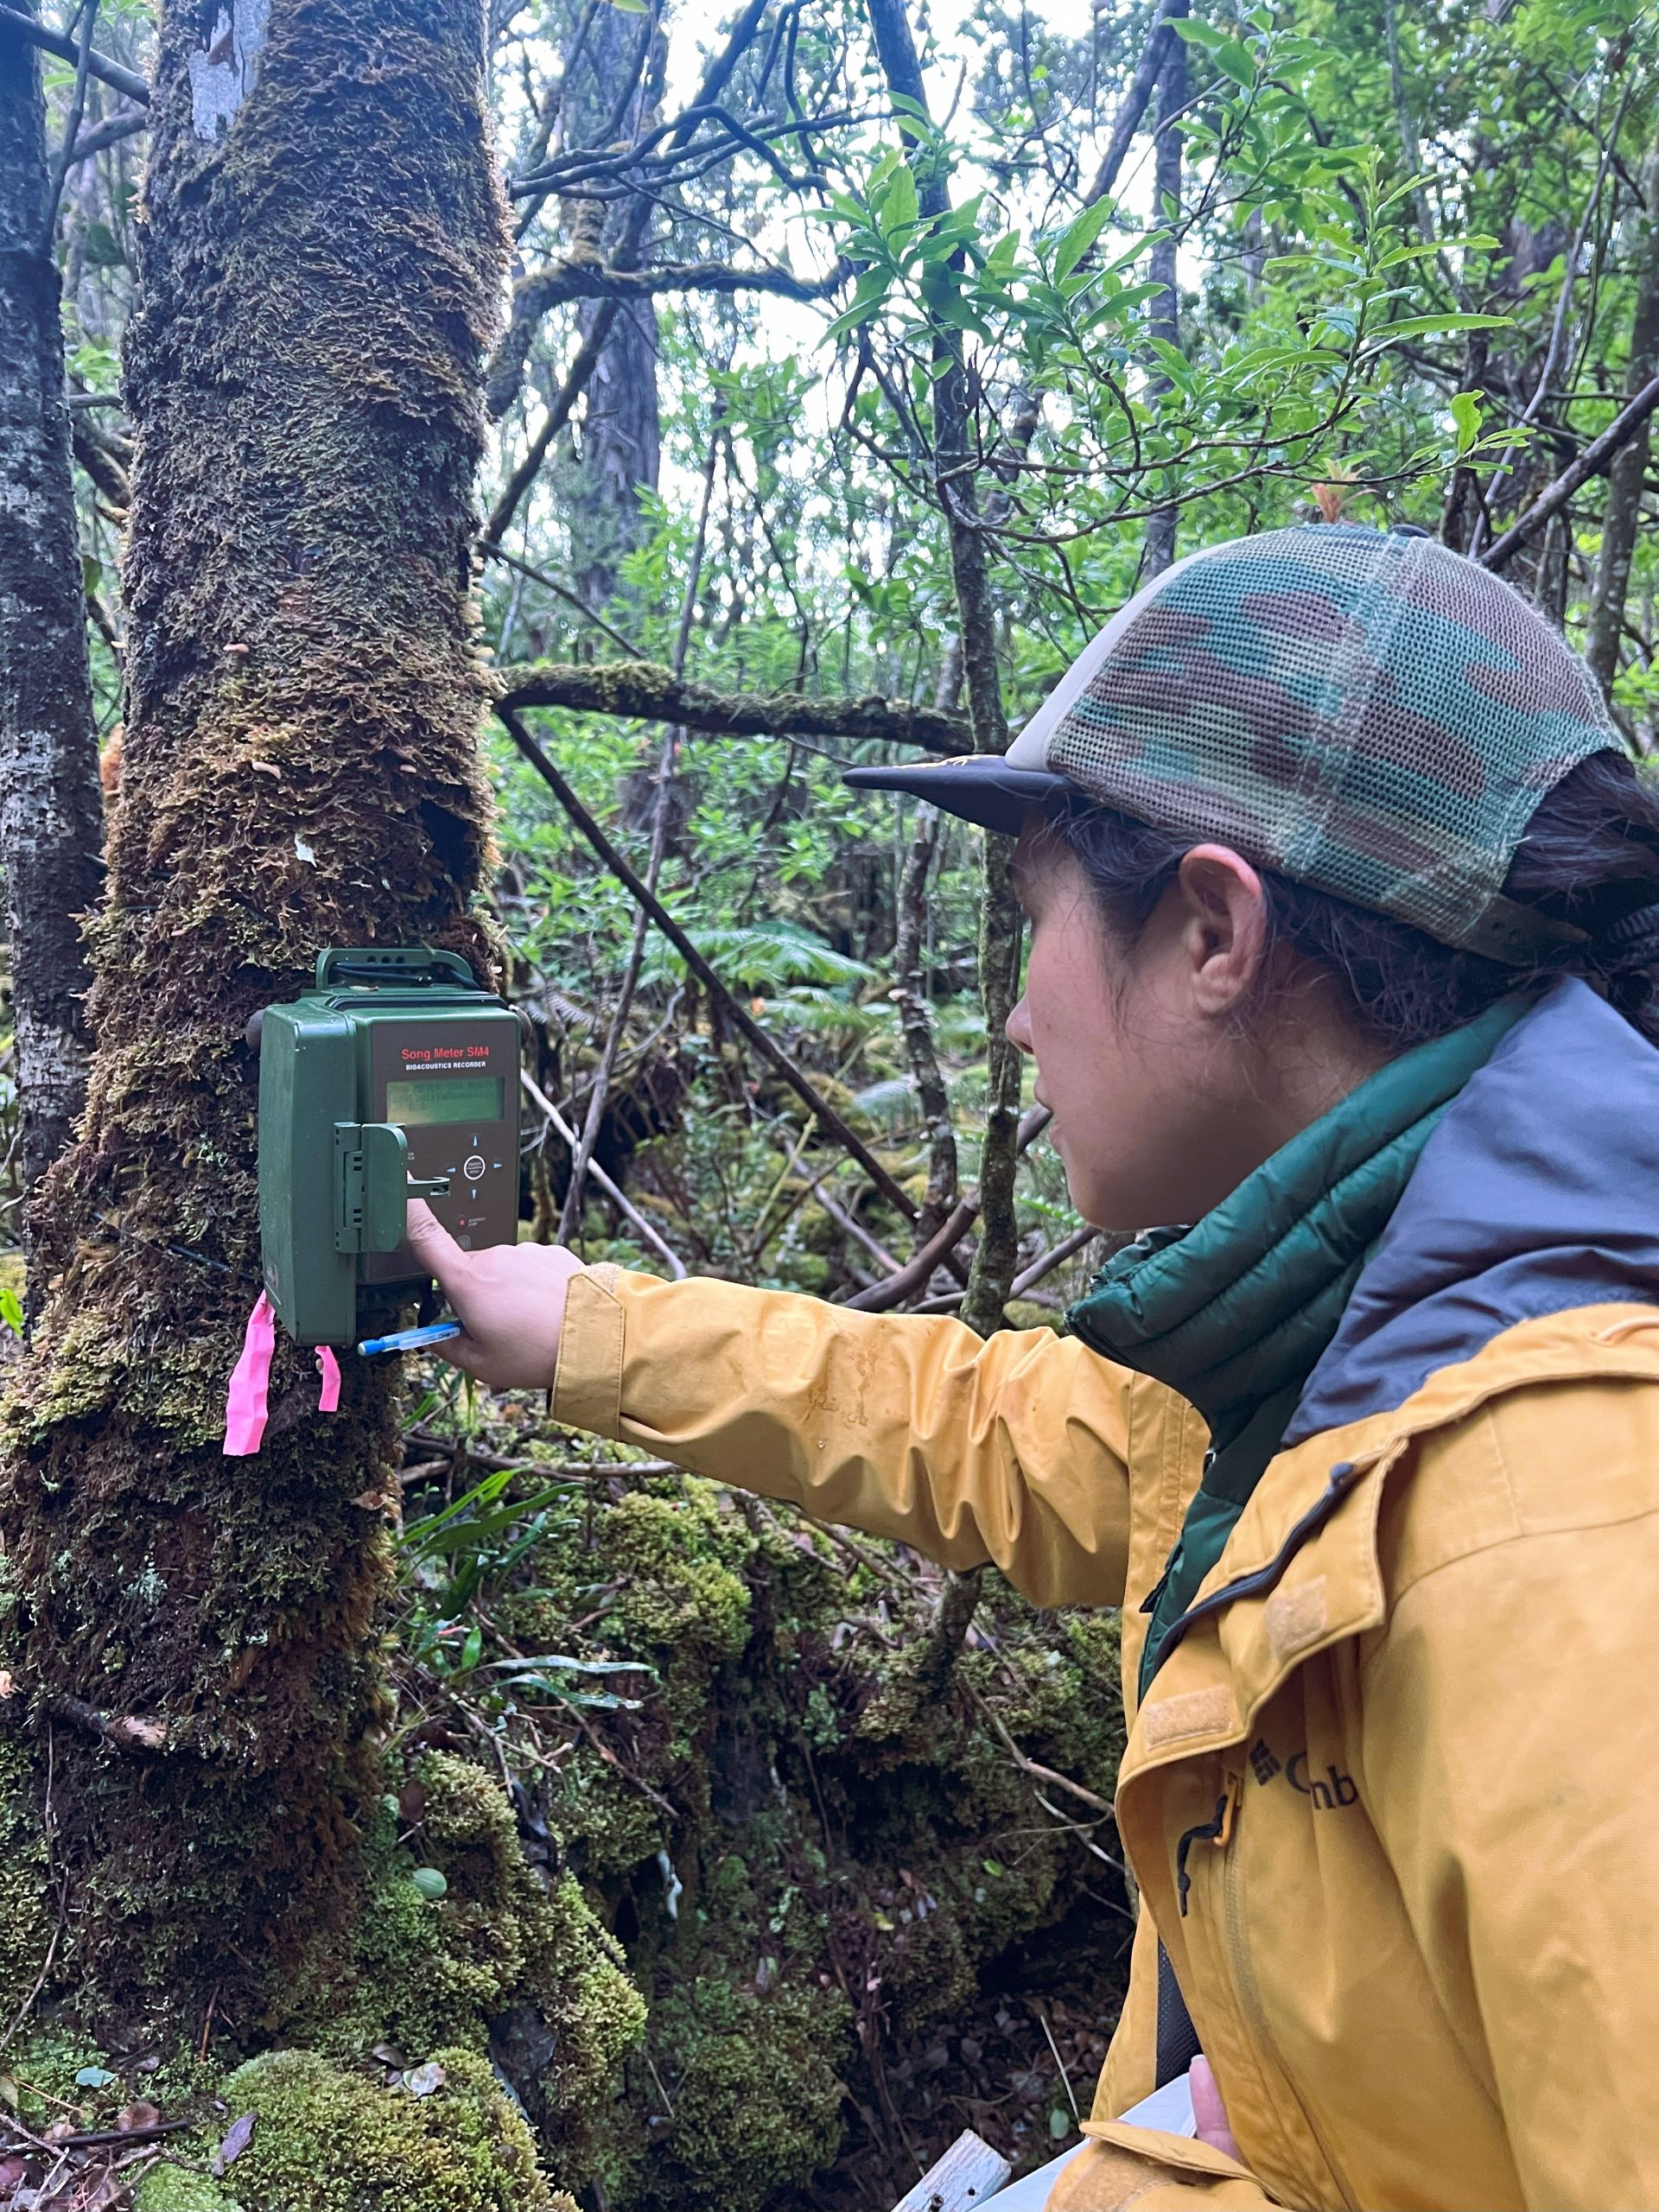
x=319 y=282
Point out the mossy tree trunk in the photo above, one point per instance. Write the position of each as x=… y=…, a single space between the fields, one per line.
x=51 y=817
x=322 y=268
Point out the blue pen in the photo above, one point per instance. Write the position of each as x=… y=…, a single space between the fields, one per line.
x=411 y=1339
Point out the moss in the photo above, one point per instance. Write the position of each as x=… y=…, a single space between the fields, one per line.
x=326 y=2140
x=823 y=1862
x=431 y=1972
x=25 y=1913
x=757 y=2091
x=174 y=2188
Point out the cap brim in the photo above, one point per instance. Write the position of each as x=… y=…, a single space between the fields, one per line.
x=980 y=787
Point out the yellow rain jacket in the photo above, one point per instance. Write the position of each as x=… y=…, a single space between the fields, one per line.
x=1395 y=1815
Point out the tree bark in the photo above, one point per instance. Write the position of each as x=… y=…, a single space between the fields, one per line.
x=51 y=810
x=1000 y=926
x=1623 y=512
x=621 y=441
x=1164 y=321
x=322 y=260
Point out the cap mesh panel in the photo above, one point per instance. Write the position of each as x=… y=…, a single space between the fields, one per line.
x=1371 y=715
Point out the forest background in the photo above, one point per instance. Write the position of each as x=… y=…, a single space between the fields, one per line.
x=516 y=466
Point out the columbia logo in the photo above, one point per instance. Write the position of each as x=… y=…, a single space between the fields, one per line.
x=1263 y=1765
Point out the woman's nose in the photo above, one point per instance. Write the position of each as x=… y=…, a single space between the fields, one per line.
x=1018 y=1026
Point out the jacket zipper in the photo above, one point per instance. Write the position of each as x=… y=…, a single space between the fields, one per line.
x=1218 y=1829
x=1256 y=2017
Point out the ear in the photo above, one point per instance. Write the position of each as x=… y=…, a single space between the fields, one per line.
x=1223 y=934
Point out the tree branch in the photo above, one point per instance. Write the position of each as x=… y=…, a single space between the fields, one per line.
x=576 y=382
x=98 y=65
x=735 y=1012
x=1133 y=105
x=105 y=135
x=575 y=276
x=650 y=692
x=1595 y=459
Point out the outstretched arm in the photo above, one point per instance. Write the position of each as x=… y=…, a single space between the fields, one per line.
x=1014 y=1450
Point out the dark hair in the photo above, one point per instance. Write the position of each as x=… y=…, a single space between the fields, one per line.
x=1590 y=857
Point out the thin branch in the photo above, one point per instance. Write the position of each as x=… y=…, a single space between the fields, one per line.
x=98 y=65
x=882 y=1297
x=630 y=1212
x=829 y=1120
x=562 y=591
x=1133 y=105
x=570 y=1212
x=577 y=381
x=71 y=128
x=1594 y=460
x=648 y=691
x=577 y=278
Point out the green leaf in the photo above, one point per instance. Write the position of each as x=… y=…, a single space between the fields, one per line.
x=1232 y=57
x=1434 y=326
x=1078 y=237
x=1000 y=261
x=896 y=210
x=11 y=1309
x=867 y=296
x=1466 y=413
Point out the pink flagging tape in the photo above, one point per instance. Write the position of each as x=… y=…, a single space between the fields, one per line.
x=328 y=1398
x=246 y=1402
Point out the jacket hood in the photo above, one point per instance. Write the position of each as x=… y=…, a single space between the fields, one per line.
x=1538 y=1191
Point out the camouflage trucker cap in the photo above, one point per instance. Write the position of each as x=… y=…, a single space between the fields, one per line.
x=1364 y=711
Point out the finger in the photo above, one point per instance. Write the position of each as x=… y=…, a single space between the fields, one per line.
x=433 y=1246
x=1209 y=2113
x=466 y=1353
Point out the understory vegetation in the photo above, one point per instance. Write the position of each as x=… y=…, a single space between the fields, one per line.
x=681 y=1854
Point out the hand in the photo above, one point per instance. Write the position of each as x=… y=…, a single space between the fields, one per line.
x=509 y=1301
x=1208 y=2110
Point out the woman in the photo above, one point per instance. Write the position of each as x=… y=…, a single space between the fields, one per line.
x=1344 y=902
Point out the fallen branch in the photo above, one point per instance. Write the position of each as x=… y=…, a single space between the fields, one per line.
x=1037 y=1772
x=1044 y=1264
x=453 y=1448
x=649 y=691
x=882 y=1297
x=98 y=65
x=121 y=1732
x=829 y=1121
x=1594 y=460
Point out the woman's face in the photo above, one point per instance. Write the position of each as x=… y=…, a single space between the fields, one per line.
x=1164 y=1098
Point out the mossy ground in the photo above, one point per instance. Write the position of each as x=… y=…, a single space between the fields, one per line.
x=828 y=1870
x=756 y=1928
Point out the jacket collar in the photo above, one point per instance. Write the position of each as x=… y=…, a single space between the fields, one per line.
x=1332 y=1589
x=1238 y=1308
x=1538 y=1193
x=1235 y=1312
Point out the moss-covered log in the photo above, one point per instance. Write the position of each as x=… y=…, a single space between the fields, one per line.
x=322 y=262
x=647 y=690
